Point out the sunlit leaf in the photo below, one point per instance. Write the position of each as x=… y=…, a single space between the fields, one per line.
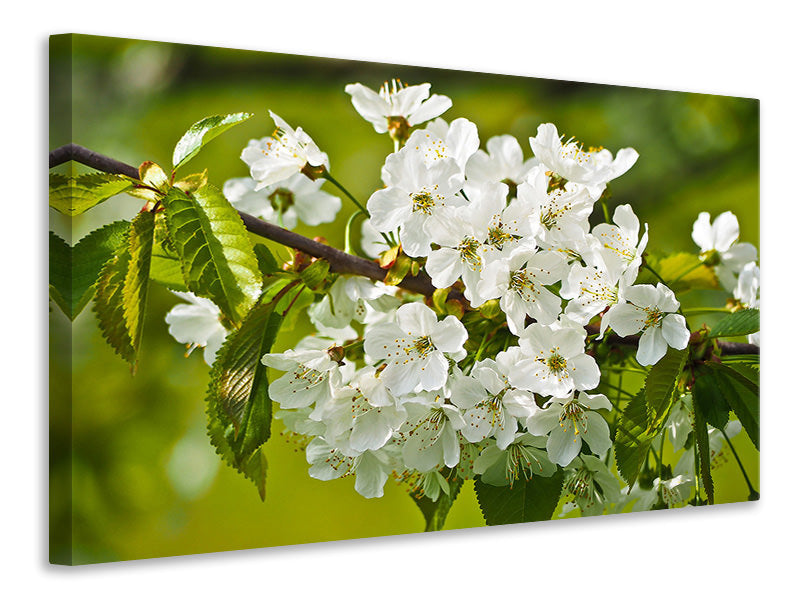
x=121 y=296
x=202 y=132
x=74 y=195
x=215 y=250
x=238 y=406
x=742 y=322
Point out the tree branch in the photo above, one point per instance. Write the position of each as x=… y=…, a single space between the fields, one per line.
x=340 y=262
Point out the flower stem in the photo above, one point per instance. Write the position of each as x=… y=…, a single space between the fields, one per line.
x=686 y=272
x=617 y=389
x=653 y=271
x=348 y=241
x=327 y=176
x=754 y=495
x=605 y=210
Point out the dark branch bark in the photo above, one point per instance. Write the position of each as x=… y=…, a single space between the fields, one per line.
x=340 y=262
x=91 y=159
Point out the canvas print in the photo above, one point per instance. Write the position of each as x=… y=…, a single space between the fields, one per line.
x=296 y=299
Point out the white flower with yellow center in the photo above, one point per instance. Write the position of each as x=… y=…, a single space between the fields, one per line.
x=562 y=214
x=458 y=141
x=620 y=243
x=591 y=289
x=650 y=310
x=312 y=375
x=414 y=197
x=521 y=284
x=371 y=468
x=464 y=240
x=364 y=413
x=719 y=247
x=567 y=422
x=283 y=203
x=490 y=404
x=397 y=106
x=416 y=348
x=592 y=167
x=197 y=324
x=509 y=225
x=523 y=459
x=286 y=152
x=554 y=362
x=429 y=439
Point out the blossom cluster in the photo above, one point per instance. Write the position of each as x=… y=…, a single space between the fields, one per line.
x=387 y=388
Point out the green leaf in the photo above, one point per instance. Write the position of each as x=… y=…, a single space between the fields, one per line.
x=660 y=383
x=435 y=512
x=678 y=265
x=121 y=296
x=74 y=270
x=633 y=438
x=166 y=270
x=742 y=322
x=135 y=287
x=266 y=261
x=72 y=195
x=315 y=273
x=202 y=132
x=216 y=254
x=525 y=501
x=742 y=395
x=61 y=274
x=710 y=396
x=238 y=405
x=703 y=449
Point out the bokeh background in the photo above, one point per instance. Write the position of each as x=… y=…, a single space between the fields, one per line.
x=132 y=472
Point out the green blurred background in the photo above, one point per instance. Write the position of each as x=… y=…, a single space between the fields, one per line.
x=144 y=480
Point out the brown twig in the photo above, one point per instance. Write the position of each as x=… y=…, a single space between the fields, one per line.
x=340 y=262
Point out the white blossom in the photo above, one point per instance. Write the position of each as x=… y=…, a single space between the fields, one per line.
x=286 y=152
x=415 y=348
x=591 y=485
x=718 y=246
x=371 y=469
x=311 y=379
x=650 y=310
x=398 y=105
x=429 y=437
x=414 y=197
x=562 y=213
x=555 y=363
x=521 y=284
x=197 y=324
x=593 y=167
x=620 y=243
x=458 y=141
x=491 y=405
x=501 y=162
x=284 y=202
x=567 y=422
